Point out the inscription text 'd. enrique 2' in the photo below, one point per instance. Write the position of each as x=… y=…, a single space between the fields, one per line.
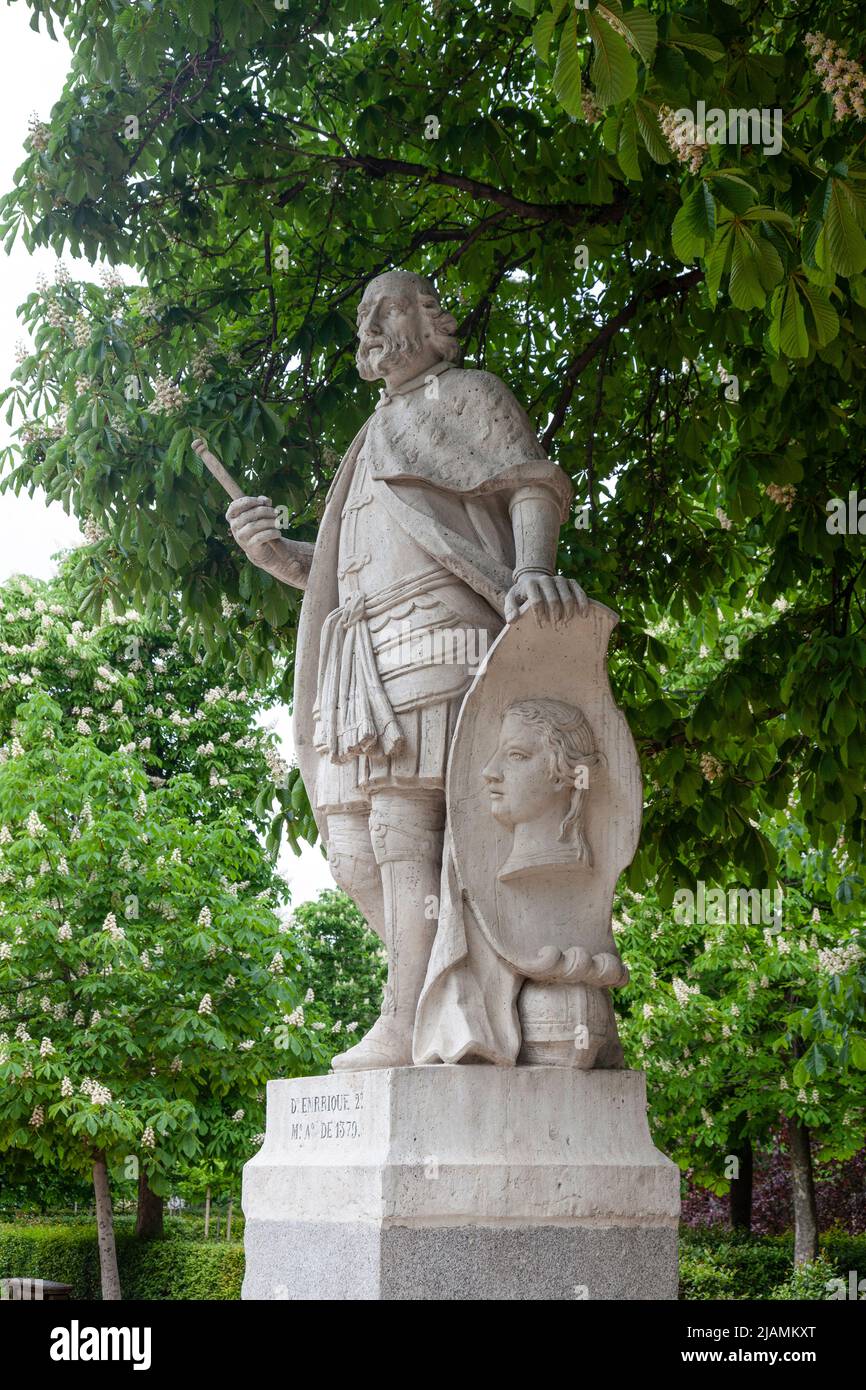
x=327 y=1116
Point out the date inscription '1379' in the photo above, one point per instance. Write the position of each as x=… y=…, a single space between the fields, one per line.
x=327 y=1116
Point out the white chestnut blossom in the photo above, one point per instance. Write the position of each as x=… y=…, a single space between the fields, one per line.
x=114 y=931
x=167 y=396
x=838 y=960
x=682 y=991
x=99 y=1094
x=682 y=139
x=843 y=79
x=711 y=767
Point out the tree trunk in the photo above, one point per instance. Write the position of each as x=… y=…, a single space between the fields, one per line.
x=105 y=1231
x=803 y=1187
x=207 y=1214
x=149 y=1218
x=741 y=1189
x=229 y=1220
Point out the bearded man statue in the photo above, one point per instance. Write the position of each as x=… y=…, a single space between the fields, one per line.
x=443 y=516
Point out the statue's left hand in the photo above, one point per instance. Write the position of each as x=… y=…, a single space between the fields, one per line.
x=551 y=598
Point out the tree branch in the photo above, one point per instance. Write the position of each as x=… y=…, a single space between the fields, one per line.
x=681 y=285
x=571 y=214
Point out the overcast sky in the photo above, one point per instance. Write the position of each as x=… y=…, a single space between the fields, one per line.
x=32 y=71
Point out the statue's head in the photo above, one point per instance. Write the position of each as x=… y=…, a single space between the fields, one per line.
x=400 y=319
x=539 y=774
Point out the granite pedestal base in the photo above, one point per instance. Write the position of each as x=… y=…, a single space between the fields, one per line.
x=460 y=1182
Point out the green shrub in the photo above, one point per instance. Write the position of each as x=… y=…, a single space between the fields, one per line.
x=718 y=1263
x=702 y=1277
x=171 y=1268
x=846 y=1252
x=67 y=1254
x=726 y=1264
x=808 y=1281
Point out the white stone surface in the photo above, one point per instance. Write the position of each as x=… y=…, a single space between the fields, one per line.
x=494 y=1156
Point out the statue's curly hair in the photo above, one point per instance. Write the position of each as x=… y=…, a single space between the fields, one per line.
x=442 y=326
x=571 y=747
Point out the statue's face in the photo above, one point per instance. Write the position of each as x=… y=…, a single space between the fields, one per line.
x=390 y=332
x=518 y=775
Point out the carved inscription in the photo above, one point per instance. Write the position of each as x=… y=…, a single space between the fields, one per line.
x=327 y=1116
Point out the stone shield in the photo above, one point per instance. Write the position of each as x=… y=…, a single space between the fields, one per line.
x=534 y=918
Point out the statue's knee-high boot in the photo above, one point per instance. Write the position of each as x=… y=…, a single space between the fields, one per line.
x=406 y=830
x=353 y=865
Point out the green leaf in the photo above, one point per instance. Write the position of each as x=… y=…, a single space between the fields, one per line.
x=200 y=17
x=626 y=151
x=274 y=428
x=647 y=118
x=761 y=213
x=699 y=43
x=822 y=321
x=600 y=187
x=733 y=193
x=643 y=31
x=844 y=241
x=694 y=224
x=613 y=71
x=567 y=78
x=542 y=35
x=717 y=262
x=745 y=286
x=76 y=187
x=788 y=323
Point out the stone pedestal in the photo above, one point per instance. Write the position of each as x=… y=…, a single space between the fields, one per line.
x=460 y=1182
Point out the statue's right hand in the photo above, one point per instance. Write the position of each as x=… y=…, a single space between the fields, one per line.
x=253 y=521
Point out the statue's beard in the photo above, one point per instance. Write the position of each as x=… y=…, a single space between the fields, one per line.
x=376 y=362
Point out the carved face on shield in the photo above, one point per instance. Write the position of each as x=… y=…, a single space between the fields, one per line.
x=538 y=780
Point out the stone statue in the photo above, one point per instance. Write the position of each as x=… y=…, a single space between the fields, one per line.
x=444 y=515
x=479 y=794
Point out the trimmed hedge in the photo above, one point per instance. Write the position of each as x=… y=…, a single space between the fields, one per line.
x=171 y=1268
x=723 y=1264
